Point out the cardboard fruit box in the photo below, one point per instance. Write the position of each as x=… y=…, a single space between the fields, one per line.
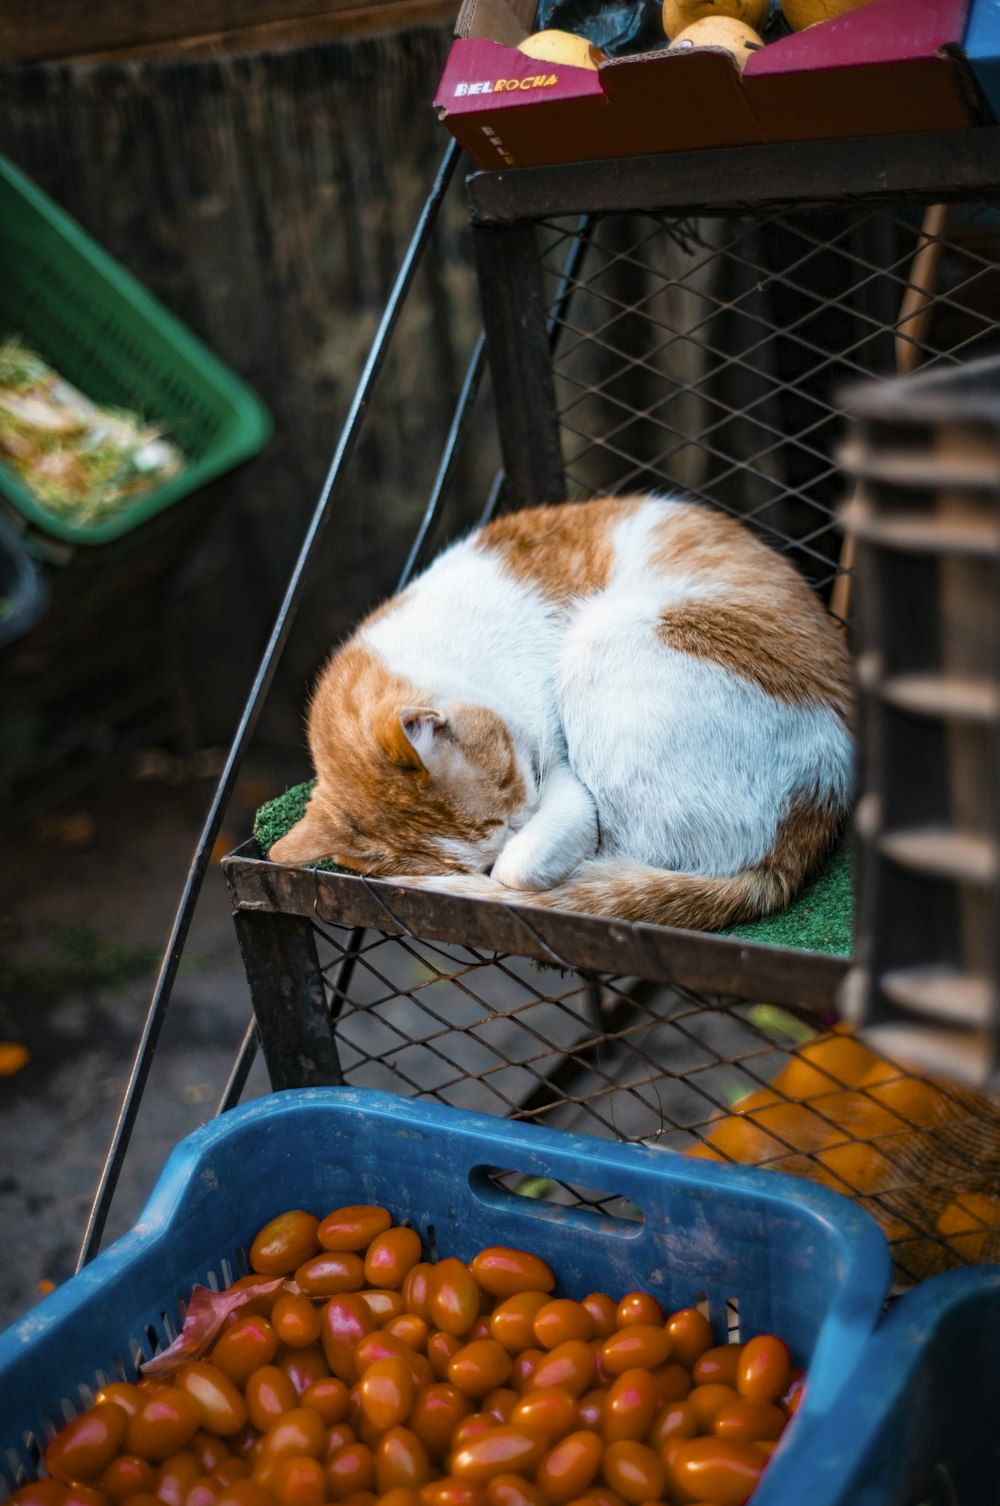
x=890 y=66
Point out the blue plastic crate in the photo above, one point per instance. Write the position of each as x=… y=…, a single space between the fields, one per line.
x=916 y=1424
x=798 y=1260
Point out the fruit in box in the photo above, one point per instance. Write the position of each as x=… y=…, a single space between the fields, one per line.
x=735 y=37
x=554 y=46
x=678 y=15
x=802 y=13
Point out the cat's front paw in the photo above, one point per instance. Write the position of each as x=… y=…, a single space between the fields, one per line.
x=516 y=868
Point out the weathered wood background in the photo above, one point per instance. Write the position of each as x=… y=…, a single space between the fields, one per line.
x=267 y=198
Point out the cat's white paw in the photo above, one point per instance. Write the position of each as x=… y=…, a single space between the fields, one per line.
x=516 y=868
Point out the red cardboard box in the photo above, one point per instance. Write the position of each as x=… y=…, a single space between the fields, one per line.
x=890 y=66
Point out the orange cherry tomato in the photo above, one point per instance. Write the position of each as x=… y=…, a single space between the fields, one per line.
x=354 y=1227
x=299 y=1481
x=303 y=1366
x=451 y=1491
x=401 y=1460
x=269 y=1393
x=513 y=1490
x=634 y=1471
x=453 y=1297
x=690 y=1335
x=497 y=1451
x=230 y=1470
x=638 y=1307
x=244 y=1346
x=390 y=1256
x=124 y=1394
x=85 y=1447
x=410 y=1330
x=346 y=1321
x=706 y=1401
x=126 y=1475
x=630 y=1407
x=329 y=1273
x=209 y=1450
x=512 y=1322
x=348 y=1469
x=559 y=1320
x=400 y=1495
x=525 y=1364
x=244 y=1493
x=713 y=1469
x=570 y=1466
x=220 y=1404
x=746 y=1421
x=384 y=1305
x=765 y=1368
x=441 y=1349
x=672 y=1383
x=604 y=1312
x=381 y=1345
x=165 y=1423
x=300 y=1431
x=328 y=1397
x=437 y=1411
x=176 y=1476
x=571 y=1365
x=337 y=1435
x=471 y=1426
x=296 y=1322
x=479 y=1367
x=717 y=1366
x=40 y=1493
x=78 y=1494
x=678 y=1419
x=203 y=1492
x=640 y=1344
x=284 y=1243
x=416 y=1289
x=550 y=1413
x=590 y=1409
x=794 y=1392
x=499 y=1403
x=387 y=1389
x=502 y=1271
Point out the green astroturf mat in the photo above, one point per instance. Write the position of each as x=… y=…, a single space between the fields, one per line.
x=821 y=919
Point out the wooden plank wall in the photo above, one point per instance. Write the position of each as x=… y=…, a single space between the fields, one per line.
x=267 y=198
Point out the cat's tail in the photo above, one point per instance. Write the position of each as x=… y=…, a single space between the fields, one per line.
x=633 y=891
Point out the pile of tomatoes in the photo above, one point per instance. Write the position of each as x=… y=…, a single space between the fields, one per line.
x=348 y=1369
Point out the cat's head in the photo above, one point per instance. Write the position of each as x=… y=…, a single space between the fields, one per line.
x=409 y=789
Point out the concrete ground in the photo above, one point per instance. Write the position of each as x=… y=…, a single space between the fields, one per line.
x=87 y=898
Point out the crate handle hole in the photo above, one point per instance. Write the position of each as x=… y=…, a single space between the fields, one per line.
x=544 y=1197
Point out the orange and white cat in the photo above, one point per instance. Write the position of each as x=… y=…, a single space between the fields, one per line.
x=626 y=707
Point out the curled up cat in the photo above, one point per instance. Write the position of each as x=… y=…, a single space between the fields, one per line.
x=628 y=707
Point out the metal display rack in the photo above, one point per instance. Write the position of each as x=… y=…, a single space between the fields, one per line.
x=686 y=322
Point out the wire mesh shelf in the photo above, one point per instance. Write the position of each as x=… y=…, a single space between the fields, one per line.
x=706 y=351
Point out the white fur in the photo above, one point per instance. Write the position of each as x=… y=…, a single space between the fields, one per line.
x=676 y=761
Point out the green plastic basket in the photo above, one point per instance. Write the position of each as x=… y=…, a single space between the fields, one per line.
x=102 y=331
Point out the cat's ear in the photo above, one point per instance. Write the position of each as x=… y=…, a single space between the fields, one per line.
x=305 y=842
x=409 y=736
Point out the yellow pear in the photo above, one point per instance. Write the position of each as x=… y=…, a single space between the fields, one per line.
x=554 y=46
x=738 y=39
x=678 y=15
x=802 y=13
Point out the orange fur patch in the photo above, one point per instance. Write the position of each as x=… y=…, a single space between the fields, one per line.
x=765 y=623
x=565 y=551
